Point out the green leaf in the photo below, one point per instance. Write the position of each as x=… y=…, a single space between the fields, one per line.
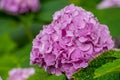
x=115 y=53
x=7 y=62
x=6 y=44
x=20 y=58
x=111 y=21
x=21 y=37
x=103 y=59
x=23 y=55
x=7 y=24
x=40 y=74
x=49 y=8
x=108 y=68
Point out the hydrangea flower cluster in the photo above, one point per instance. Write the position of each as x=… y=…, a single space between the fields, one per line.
x=19 y=6
x=72 y=39
x=108 y=4
x=20 y=74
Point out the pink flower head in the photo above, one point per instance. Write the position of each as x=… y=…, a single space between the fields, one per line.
x=72 y=39
x=20 y=74
x=108 y=4
x=19 y=6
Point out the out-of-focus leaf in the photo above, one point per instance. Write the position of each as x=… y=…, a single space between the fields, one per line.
x=20 y=58
x=6 y=44
x=49 y=8
x=88 y=73
x=111 y=18
x=7 y=62
x=23 y=55
x=7 y=24
x=20 y=37
x=113 y=21
x=42 y=75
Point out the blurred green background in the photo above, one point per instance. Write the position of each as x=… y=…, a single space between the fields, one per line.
x=15 y=45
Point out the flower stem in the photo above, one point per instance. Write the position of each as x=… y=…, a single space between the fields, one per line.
x=28 y=31
x=27 y=20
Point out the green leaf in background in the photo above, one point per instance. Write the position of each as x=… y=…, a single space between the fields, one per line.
x=7 y=62
x=40 y=74
x=49 y=8
x=21 y=37
x=23 y=56
x=111 y=19
x=14 y=59
x=6 y=44
x=6 y=24
x=106 y=58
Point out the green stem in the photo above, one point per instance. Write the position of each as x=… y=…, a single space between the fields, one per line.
x=26 y=20
x=28 y=32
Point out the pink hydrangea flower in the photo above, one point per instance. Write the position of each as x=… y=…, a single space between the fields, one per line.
x=108 y=4
x=73 y=38
x=19 y=6
x=20 y=74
